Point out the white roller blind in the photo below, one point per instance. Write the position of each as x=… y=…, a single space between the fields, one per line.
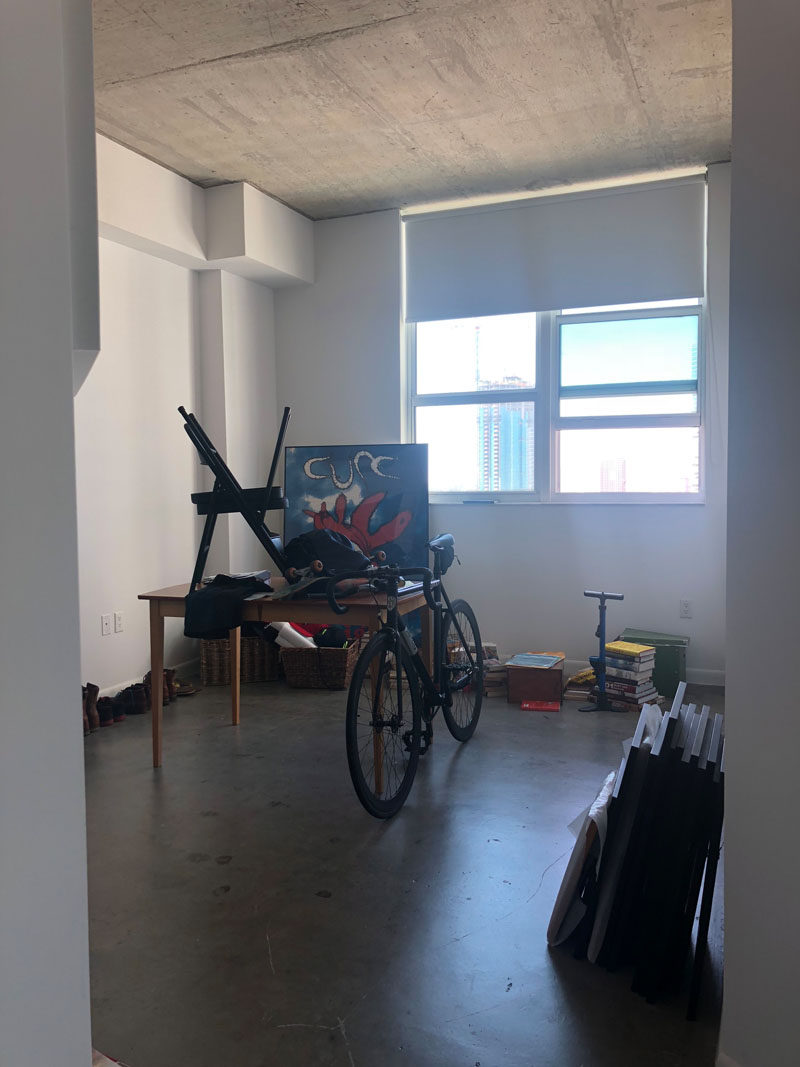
x=618 y=246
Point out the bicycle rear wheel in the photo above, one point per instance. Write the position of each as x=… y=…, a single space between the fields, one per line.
x=383 y=726
x=463 y=670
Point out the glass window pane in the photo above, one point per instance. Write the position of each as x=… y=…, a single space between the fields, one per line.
x=629 y=350
x=462 y=355
x=653 y=460
x=660 y=404
x=476 y=448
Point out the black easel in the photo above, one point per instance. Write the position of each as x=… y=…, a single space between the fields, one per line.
x=228 y=497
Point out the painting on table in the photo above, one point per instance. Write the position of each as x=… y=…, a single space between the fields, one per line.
x=377 y=495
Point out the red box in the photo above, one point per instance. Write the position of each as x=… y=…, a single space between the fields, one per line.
x=536 y=683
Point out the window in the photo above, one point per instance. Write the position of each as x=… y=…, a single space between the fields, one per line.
x=571 y=405
x=474 y=399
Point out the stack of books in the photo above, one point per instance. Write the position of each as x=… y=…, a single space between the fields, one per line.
x=579 y=686
x=629 y=675
x=495 y=679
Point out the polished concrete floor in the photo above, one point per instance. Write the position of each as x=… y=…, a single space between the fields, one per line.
x=246 y=912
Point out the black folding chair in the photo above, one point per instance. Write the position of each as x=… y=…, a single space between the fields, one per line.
x=228 y=497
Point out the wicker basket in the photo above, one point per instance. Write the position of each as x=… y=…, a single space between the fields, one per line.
x=259 y=662
x=321 y=668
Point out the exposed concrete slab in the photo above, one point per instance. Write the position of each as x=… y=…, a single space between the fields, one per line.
x=355 y=106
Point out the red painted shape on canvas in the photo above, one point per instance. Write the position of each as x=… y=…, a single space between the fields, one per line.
x=357 y=528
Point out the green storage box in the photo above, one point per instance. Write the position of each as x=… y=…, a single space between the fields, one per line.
x=670 y=664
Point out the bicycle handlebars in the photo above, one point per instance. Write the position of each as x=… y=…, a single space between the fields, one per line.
x=377 y=574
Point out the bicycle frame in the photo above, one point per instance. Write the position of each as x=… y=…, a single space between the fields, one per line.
x=436 y=693
x=386 y=733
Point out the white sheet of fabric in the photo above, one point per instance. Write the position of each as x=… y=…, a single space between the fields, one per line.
x=569 y=909
x=288 y=637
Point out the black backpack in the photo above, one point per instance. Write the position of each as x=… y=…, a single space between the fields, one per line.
x=335 y=552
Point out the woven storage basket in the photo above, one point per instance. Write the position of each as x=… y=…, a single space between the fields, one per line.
x=259 y=661
x=321 y=668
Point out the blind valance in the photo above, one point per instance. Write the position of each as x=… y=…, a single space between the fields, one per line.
x=616 y=246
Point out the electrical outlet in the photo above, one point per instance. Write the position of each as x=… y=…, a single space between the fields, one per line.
x=117 y=622
x=685 y=609
x=105 y=625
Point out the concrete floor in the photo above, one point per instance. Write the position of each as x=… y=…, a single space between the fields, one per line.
x=246 y=911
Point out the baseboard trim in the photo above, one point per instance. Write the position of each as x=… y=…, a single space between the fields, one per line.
x=189 y=666
x=700 y=677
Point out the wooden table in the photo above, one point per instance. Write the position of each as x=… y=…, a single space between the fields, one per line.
x=169 y=603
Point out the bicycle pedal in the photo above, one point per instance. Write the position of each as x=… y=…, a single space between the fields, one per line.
x=425 y=742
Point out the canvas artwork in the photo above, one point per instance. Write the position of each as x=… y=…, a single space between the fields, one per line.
x=377 y=495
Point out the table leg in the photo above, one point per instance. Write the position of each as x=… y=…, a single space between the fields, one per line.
x=235 y=638
x=156 y=676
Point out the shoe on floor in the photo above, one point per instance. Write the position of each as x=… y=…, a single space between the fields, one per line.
x=92 y=692
x=105 y=711
x=138 y=702
x=123 y=704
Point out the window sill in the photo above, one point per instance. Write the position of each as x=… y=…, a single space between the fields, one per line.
x=477 y=500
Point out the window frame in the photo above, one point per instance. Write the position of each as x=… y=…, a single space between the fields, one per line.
x=548 y=421
x=532 y=395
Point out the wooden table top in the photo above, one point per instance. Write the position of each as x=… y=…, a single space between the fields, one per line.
x=265 y=609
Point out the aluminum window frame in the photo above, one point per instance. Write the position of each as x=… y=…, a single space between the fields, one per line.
x=548 y=422
x=558 y=422
x=495 y=396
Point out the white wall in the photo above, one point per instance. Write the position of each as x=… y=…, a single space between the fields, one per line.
x=338 y=340
x=762 y=922
x=230 y=227
x=44 y=964
x=524 y=566
x=135 y=465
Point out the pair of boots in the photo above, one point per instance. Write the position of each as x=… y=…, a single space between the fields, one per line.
x=130 y=701
x=110 y=711
x=91 y=716
x=105 y=711
x=168 y=691
x=172 y=687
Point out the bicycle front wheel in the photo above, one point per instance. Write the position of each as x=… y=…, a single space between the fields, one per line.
x=463 y=670
x=383 y=726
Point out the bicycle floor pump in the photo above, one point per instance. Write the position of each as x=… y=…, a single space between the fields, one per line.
x=599 y=662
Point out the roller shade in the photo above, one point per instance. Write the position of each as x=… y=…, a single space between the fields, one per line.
x=618 y=246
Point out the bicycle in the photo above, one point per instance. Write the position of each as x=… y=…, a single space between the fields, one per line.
x=392 y=699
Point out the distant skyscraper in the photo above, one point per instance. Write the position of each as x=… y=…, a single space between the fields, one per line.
x=612 y=475
x=505 y=441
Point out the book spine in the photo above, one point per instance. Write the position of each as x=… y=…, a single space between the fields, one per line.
x=627 y=664
x=632 y=651
x=641 y=682
x=629 y=689
x=628 y=676
x=630 y=705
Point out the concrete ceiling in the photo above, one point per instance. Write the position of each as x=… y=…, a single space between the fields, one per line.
x=337 y=107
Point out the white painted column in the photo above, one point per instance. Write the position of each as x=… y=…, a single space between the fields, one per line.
x=238 y=407
x=762 y=925
x=44 y=971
